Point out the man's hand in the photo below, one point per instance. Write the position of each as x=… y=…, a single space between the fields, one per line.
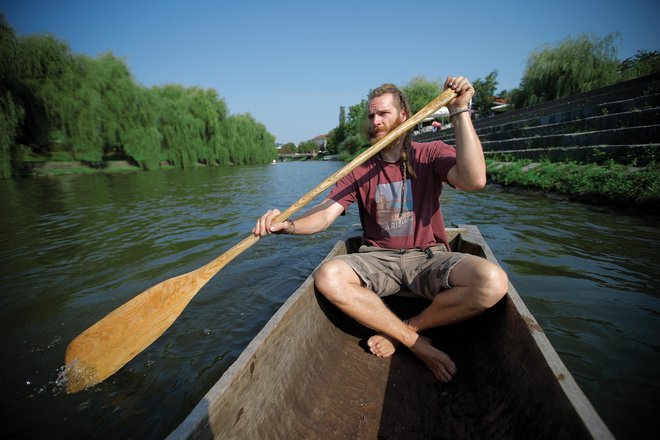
x=463 y=89
x=266 y=226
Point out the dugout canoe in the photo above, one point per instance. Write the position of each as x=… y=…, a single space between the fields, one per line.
x=307 y=375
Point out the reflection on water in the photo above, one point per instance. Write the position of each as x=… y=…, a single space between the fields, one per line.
x=74 y=248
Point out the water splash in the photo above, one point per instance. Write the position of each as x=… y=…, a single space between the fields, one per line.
x=77 y=376
x=53 y=387
x=62 y=380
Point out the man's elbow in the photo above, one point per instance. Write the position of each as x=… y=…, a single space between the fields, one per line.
x=474 y=184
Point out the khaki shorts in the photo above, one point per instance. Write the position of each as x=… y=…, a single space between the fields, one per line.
x=388 y=271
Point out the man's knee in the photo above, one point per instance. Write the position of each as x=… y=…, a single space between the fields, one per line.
x=487 y=281
x=495 y=284
x=332 y=278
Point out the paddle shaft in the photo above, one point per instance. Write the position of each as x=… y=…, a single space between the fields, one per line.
x=114 y=340
x=440 y=101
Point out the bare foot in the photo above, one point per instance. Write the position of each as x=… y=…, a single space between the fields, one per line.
x=440 y=364
x=382 y=345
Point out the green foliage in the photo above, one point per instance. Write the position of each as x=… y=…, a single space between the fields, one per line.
x=353 y=134
x=141 y=139
x=354 y=143
x=247 y=141
x=358 y=120
x=419 y=92
x=308 y=147
x=573 y=66
x=613 y=183
x=339 y=133
x=332 y=147
x=11 y=114
x=288 y=148
x=484 y=93
x=89 y=109
x=641 y=64
x=341 y=128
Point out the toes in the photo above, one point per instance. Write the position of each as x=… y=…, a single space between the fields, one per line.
x=443 y=374
x=381 y=346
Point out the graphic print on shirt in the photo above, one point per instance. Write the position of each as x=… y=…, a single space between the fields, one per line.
x=388 y=203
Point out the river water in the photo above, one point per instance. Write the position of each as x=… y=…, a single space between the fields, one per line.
x=73 y=248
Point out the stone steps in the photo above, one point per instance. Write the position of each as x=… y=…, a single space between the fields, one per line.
x=616 y=93
x=612 y=136
x=638 y=154
x=619 y=122
x=637 y=118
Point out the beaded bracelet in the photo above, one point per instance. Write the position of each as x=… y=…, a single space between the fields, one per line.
x=293 y=228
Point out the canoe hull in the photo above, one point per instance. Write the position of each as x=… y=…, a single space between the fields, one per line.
x=307 y=374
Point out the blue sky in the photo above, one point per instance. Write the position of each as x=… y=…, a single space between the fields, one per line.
x=292 y=64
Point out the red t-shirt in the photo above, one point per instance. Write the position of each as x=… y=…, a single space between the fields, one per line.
x=376 y=186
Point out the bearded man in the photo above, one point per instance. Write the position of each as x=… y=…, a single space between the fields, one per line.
x=405 y=248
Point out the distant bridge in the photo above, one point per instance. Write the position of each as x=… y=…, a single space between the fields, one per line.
x=305 y=156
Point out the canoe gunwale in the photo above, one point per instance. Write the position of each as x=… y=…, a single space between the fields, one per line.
x=574 y=393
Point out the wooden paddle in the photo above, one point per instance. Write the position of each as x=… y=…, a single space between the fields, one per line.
x=109 y=344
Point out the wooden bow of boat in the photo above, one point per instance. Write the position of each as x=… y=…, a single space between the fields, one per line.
x=308 y=375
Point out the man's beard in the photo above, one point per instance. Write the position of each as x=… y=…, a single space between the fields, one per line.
x=377 y=133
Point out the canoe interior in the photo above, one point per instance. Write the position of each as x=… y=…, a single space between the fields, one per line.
x=307 y=375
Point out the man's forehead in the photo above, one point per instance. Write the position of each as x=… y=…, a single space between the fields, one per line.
x=384 y=100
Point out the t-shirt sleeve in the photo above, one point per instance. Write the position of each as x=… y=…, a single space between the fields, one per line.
x=444 y=158
x=344 y=191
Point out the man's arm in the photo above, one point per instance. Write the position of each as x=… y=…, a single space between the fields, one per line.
x=469 y=173
x=315 y=220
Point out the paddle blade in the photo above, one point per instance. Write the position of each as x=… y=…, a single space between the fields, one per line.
x=109 y=344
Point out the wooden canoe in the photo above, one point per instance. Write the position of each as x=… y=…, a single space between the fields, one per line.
x=307 y=375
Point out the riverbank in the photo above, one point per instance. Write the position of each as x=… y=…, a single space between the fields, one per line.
x=58 y=168
x=611 y=183
x=74 y=167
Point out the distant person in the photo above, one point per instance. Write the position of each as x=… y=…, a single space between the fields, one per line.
x=436 y=126
x=405 y=247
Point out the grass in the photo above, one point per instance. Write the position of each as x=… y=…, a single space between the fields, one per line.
x=609 y=183
x=84 y=170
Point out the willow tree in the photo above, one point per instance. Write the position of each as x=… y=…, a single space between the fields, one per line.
x=209 y=111
x=120 y=99
x=11 y=113
x=575 y=65
x=176 y=126
x=45 y=66
x=63 y=107
x=141 y=139
x=52 y=100
x=248 y=141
